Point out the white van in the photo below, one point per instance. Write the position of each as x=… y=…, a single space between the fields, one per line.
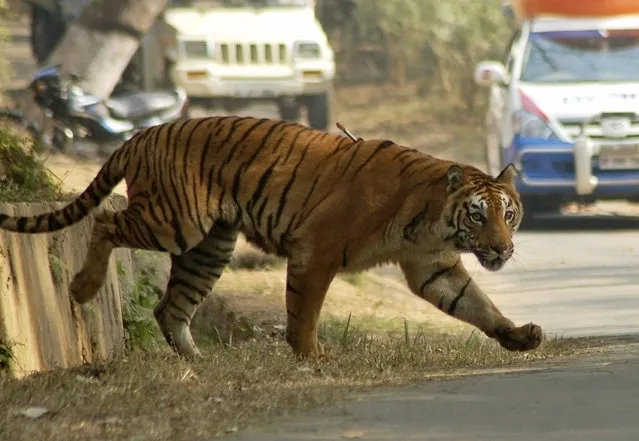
x=564 y=108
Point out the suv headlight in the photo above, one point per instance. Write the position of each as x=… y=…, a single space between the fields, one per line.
x=197 y=49
x=531 y=125
x=307 y=50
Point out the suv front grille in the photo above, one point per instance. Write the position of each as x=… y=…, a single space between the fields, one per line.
x=593 y=129
x=252 y=53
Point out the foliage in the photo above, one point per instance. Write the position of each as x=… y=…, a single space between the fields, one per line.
x=6 y=356
x=4 y=68
x=435 y=43
x=137 y=315
x=23 y=176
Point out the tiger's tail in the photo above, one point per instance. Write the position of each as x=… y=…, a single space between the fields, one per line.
x=111 y=173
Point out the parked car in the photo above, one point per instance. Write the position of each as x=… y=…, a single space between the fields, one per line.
x=564 y=108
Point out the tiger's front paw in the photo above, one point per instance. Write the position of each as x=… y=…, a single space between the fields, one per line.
x=305 y=347
x=523 y=338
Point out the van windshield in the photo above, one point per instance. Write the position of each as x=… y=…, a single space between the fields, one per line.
x=582 y=56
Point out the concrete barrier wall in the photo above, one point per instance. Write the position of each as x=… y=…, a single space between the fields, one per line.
x=39 y=321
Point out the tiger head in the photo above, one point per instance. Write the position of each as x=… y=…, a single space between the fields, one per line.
x=483 y=213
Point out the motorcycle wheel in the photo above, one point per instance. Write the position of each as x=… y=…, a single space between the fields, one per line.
x=62 y=139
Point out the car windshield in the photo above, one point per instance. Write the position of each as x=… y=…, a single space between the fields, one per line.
x=240 y=3
x=582 y=56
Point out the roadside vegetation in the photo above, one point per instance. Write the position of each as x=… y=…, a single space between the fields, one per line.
x=405 y=70
x=23 y=176
x=432 y=45
x=4 y=68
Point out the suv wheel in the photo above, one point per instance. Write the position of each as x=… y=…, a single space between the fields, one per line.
x=289 y=111
x=538 y=205
x=318 y=108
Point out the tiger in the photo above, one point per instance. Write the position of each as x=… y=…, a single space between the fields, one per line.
x=325 y=202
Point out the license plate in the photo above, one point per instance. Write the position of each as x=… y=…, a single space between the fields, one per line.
x=612 y=127
x=196 y=75
x=619 y=157
x=252 y=92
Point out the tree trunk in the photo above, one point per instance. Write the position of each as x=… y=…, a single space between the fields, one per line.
x=101 y=42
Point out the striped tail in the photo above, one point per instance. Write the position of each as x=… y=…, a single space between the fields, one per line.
x=102 y=185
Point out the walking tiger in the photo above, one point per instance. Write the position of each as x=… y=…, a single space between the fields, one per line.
x=326 y=202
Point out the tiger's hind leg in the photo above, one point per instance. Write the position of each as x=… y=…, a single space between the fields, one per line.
x=122 y=229
x=193 y=275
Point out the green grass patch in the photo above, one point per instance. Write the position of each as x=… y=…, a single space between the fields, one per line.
x=140 y=327
x=23 y=176
x=6 y=356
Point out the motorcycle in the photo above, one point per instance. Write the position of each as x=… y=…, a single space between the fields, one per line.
x=74 y=117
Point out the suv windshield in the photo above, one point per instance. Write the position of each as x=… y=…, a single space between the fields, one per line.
x=240 y=3
x=578 y=56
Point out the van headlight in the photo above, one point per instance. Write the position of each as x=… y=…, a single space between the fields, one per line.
x=530 y=125
x=307 y=50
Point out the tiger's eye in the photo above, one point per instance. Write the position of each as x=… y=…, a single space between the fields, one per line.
x=476 y=217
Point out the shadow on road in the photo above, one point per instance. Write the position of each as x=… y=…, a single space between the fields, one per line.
x=586 y=222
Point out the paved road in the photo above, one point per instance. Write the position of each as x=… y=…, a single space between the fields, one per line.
x=579 y=278
x=593 y=399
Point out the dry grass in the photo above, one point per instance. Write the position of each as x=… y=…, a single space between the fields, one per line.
x=248 y=257
x=158 y=396
x=379 y=302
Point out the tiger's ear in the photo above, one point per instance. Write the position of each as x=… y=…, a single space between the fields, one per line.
x=508 y=174
x=455 y=177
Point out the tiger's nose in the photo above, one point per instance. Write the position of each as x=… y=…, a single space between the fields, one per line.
x=503 y=250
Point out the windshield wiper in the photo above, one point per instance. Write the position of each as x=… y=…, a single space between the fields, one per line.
x=544 y=55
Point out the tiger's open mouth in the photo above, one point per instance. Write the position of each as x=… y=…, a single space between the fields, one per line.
x=491 y=263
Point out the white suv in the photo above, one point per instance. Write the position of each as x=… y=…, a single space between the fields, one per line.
x=564 y=108
x=230 y=53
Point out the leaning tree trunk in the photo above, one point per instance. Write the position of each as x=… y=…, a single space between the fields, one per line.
x=100 y=43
